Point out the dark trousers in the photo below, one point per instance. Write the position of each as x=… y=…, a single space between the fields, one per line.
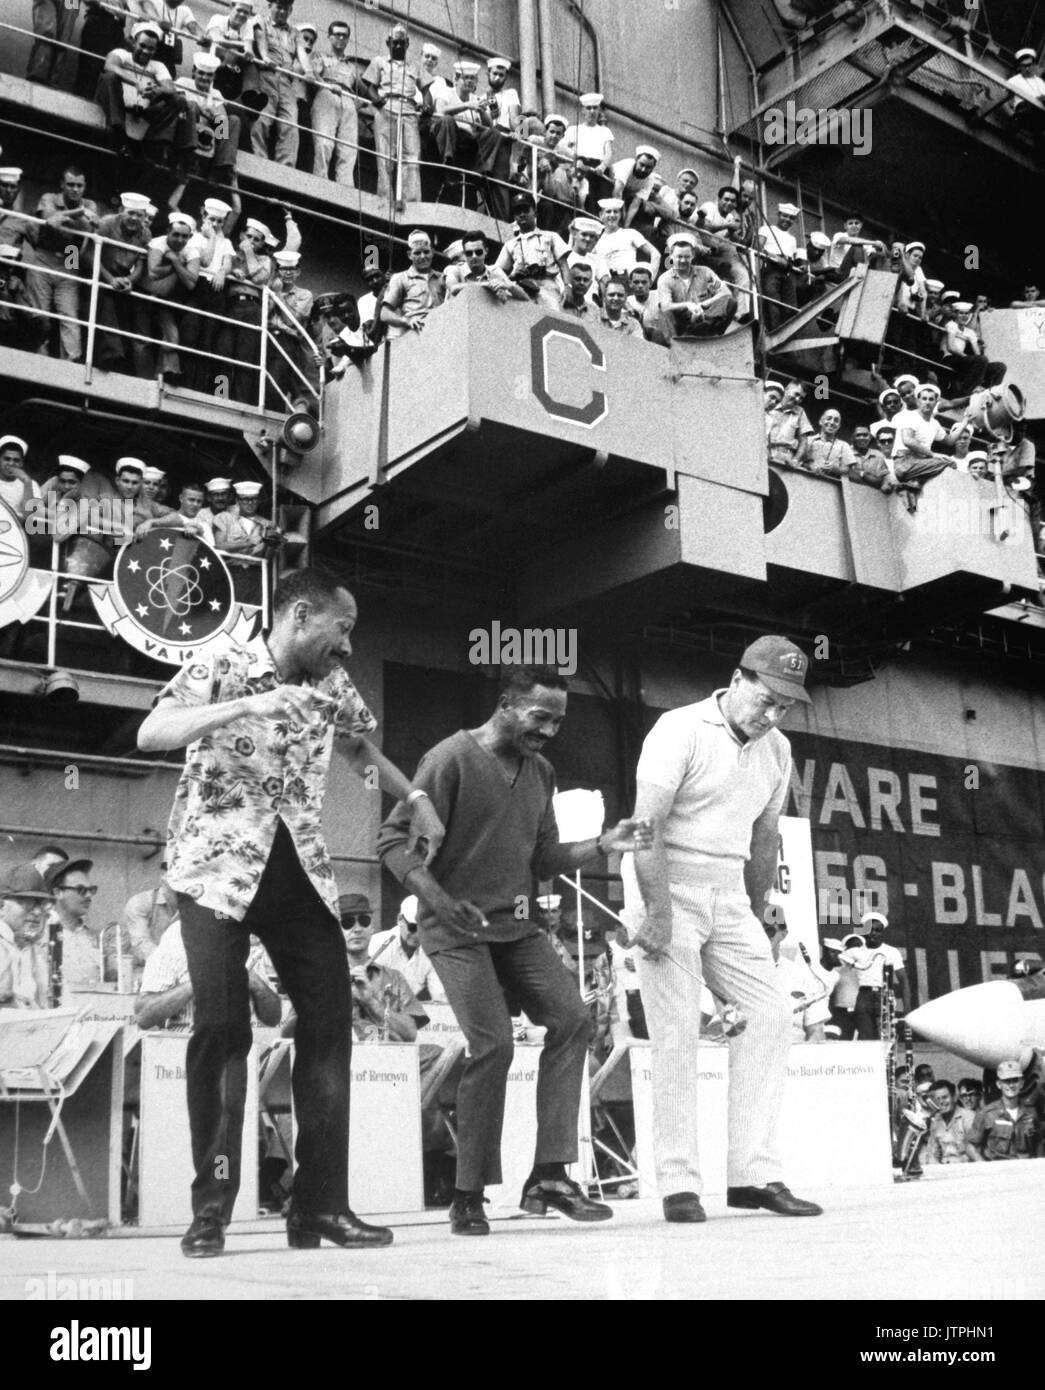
x=781 y=295
x=306 y=946
x=867 y=1014
x=479 y=981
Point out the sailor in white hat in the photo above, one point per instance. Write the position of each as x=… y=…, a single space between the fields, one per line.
x=260 y=232
x=779 y=253
x=1028 y=85
x=241 y=532
x=916 y=455
x=636 y=181
x=16 y=486
x=590 y=142
x=695 y=301
x=963 y=352
x=620 y=248
x=219 y=497
x=584 y=233
x=154 y=484
x=10 y=187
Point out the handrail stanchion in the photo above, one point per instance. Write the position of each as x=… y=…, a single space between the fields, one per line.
x=92 y=312
x=263 y=373
x=52 y=609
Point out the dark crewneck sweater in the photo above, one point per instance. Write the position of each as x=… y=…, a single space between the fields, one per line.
x=497 y=837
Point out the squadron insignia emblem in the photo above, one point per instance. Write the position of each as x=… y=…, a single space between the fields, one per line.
x=170 y=595
x=22 y=590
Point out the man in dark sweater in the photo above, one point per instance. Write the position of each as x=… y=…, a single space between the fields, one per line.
x=493 y=792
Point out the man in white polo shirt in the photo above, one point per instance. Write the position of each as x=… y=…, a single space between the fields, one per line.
x=712 y=780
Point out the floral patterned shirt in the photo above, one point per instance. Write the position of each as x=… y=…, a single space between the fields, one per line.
x=240 y=780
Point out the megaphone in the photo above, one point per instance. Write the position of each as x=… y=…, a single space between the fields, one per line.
x=996 y=409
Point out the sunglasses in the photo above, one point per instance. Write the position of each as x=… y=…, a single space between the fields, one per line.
x=351 y=918
x=1011 y=1081
x=85 y=890
x=774 y=931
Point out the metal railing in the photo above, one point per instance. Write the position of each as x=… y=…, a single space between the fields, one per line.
x=276 y=320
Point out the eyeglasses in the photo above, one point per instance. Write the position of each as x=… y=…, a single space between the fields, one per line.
x=85 y=890
x=351 y=918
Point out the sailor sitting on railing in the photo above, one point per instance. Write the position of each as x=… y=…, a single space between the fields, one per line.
x=144 y=111
x=694 y=301
x=217 y=128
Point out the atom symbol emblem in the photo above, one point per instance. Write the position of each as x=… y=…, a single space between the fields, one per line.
x=173 y=588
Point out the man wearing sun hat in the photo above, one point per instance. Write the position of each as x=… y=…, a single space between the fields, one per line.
x=713 y=778
x=24 y=900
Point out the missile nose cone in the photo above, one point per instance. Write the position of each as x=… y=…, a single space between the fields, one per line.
x=984 y=1023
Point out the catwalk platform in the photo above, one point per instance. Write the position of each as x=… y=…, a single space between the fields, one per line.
x=965 y=1233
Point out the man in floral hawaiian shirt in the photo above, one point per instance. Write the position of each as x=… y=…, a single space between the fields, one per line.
x=246 y=854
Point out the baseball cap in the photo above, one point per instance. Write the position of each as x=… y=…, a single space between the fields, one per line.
x=23 y=881
x=1010 y=1071
x=779 y=665
x=68 y=866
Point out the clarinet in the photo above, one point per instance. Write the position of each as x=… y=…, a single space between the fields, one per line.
x=54 y=961
x=887 y=1032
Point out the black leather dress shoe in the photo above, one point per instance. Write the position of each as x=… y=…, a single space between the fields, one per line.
x=205 y=1237
x=562 y=1195
x=683 y=1206
x=467 y=1217
x=305 y=1229
x=773 y=1197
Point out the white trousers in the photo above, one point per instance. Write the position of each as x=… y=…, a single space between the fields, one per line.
x=715 y=937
